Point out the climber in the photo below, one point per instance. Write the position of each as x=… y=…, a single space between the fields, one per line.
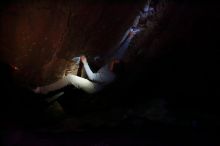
x=94 y=84
x=96 y=81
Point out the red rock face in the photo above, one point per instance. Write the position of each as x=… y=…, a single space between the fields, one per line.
x=40 y=37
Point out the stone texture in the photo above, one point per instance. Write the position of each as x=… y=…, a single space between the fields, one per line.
x=40 y=37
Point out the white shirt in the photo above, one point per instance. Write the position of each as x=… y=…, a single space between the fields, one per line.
x=103 y=76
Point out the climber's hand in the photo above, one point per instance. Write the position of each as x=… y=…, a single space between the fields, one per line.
x=83 y=59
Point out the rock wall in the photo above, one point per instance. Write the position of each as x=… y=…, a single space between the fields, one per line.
x=39 y=38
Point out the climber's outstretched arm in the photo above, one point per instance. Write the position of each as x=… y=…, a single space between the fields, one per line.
x=124 y=37
x=136 y=21
x=92 y=76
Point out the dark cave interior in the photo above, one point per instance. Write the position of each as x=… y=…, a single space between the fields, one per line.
x=167 y=95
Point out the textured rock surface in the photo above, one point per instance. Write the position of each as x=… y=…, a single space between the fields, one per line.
x=40 y=37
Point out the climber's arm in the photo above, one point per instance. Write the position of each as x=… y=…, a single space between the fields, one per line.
x=92 y=76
